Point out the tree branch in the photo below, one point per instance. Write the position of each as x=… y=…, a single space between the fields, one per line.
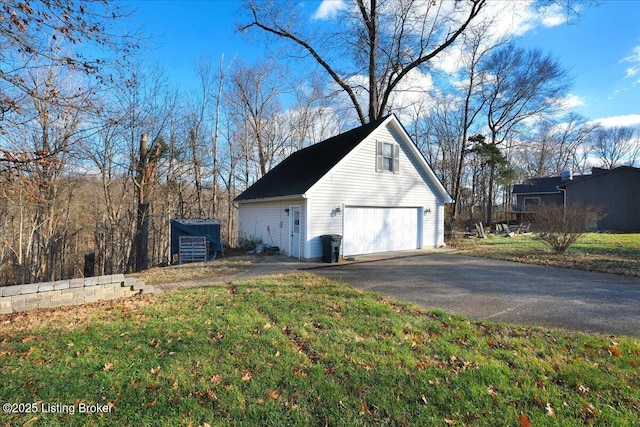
x=306 y=46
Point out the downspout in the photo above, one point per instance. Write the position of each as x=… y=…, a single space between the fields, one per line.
x=564 y=203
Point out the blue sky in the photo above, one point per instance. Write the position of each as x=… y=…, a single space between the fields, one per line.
x=600 y=49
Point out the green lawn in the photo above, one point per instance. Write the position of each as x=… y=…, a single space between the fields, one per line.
x=301 y=350
x=607 y=253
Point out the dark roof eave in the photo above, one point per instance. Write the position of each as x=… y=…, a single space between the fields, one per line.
x=535 y=192
x=271 y=198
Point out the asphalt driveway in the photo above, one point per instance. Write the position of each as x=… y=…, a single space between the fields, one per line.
x=503 y=291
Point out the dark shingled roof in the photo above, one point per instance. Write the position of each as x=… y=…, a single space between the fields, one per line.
x=539 y=185
x=550 y=184
x=298 y=172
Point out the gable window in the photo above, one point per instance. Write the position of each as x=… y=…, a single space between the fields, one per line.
x=387 y=157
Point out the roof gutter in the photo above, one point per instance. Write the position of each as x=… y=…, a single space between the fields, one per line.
x=273 y=199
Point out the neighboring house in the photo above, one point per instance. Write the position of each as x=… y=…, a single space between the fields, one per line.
x=615 y=191
x=538 y=191
x=370 y=185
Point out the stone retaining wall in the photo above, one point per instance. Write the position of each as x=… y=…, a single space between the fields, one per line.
x=69 y=292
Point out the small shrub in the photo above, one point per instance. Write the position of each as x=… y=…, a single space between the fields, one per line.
x=250 y=243
x=561 y=226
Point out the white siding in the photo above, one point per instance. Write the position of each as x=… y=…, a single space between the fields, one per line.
x=255 y=217
x=355 y=182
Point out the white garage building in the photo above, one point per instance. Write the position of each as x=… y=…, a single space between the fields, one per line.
x=370 y=185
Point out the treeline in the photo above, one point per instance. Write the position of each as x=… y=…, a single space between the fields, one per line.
x=88 y=172
x=100 y=155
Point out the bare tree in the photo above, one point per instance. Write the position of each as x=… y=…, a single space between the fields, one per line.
x=555 y=145
x=616 y=145
x=43 y=188
x=254 y=99
x=517 y=85
x=384 y=40
x=218 y=99
x=36 y=32
x=310 y=119
x=111 y=214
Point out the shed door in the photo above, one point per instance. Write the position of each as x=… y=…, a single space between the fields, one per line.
x=381 y=229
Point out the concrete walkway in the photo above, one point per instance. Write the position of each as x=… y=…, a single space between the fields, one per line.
x=281 y=264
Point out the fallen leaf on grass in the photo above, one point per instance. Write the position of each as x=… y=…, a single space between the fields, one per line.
x=155 y=371
x=299 y=373
x=246 y=375
x=538 y=401
x=614 y=351
x=28 y=353
x=550 y=410
x=216 y=379
x=150 y=404
x=107 y=366
x=589 y=409
x=524 y=421
x=364 y=408
x=273 y=395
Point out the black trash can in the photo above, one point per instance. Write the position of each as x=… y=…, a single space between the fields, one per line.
x=331 y=247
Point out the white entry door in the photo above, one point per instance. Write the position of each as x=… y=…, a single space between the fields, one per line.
x=294 y=227
x=381 y=229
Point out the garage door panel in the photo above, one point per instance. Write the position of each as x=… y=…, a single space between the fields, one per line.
x=370 y=230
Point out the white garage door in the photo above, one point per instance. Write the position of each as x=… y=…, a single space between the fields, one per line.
x=369 y=230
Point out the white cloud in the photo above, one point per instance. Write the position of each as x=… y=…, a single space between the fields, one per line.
x=552 y=15
x=506 y=20
x=634 y=58
x=632 y=120
x=328 y=9
x=412 y=90
x=571 y=102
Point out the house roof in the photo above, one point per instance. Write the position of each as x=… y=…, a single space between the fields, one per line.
x=544 y=185
x=552 y=184
x=301 y=170
x=298 y=172
x=597 y=172
x=538 y=185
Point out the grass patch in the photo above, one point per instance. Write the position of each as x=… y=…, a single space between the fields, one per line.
x=606 y=253
x=195 y=270
x=302 y=350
